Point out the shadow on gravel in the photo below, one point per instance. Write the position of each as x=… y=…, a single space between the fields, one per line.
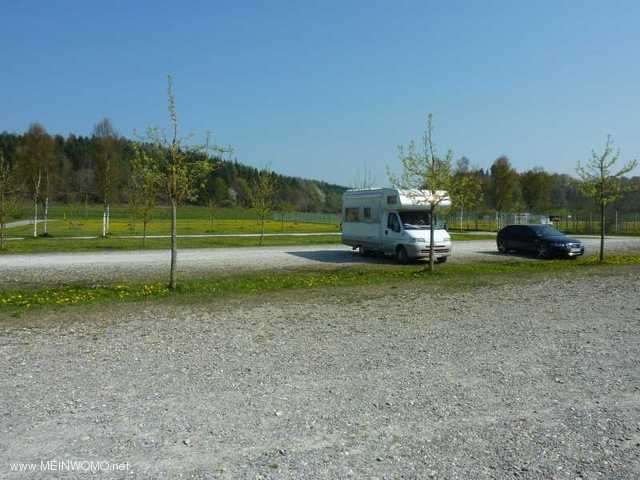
x=338 y=257
x=510 y=254
x=523 y=255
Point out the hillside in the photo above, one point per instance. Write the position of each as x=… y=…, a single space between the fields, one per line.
x=229 y=185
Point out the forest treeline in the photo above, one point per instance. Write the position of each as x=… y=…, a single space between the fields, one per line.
x=501 y=188
x=78 y=171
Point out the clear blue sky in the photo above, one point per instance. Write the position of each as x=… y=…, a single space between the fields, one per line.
x=318 y=89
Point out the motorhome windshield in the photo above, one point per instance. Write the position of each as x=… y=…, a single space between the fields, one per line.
x=417 y=220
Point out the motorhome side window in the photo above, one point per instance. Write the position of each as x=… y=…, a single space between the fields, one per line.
x=366 y=213
x=393 y=223
x=352 y=214
x=392 y=200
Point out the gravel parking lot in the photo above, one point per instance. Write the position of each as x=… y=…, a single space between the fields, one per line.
x=505 y=382
x=144 y=265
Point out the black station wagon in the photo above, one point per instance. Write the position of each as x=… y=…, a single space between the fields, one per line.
x=542 y=240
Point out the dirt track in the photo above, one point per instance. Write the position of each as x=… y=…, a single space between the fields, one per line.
x=144 y=265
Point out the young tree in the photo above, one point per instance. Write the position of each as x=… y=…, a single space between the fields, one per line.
x=243 y=191
x=263 y=197
x=217 y=194
x=50 y=167
x=215 y=189
x=466 y=188
x=425 y=169
x=35 y=157
x=144 y=184
x=106 y=166
x=8 y=190
x=602 y=183
x=182 y=171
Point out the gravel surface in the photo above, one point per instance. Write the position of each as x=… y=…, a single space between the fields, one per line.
x=541 y=382
x=145 y=265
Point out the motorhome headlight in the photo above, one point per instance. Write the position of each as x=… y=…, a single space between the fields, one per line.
x=417 y=240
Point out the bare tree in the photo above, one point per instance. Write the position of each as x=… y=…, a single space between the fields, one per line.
x=106 y=166
x=215 y=190
x=8 y=190
x=364 y=179
x=182 y=170
x=422 y=170
x=35 y=157
x=263 y=197
x=602 y=183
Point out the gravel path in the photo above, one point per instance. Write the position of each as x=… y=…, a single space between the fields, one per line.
x=102 y=266
x=22 y=223
x=541 y=382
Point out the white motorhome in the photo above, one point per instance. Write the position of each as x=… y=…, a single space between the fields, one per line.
x=394 y=222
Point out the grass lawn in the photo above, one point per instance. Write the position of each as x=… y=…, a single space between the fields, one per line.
x=44 y=245
x=446 y=276
x=60 y=228
x=62 y=244
x=74 y=220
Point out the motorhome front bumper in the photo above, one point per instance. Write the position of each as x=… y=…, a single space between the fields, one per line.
x=422 y=250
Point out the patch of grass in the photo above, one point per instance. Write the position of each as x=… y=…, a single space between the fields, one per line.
x=453 y=275
x=31 y=245
x=466 y=236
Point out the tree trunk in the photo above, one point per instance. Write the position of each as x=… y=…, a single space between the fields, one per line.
x=461 y=219
x=104 y=224
x=602 y=227
x=2 y=218
x=431 y=249
x=144 y=231
x=108 y=214
x=35 y=218
x=261 y=231
x=174 y=246
x=46 y=215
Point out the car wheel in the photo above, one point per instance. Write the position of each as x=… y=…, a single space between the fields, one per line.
x=441 y=259
x=502 y=246
x=543 y=252
x=401 y=256
x=363 y=251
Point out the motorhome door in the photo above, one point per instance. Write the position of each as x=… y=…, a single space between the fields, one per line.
x=392 y=232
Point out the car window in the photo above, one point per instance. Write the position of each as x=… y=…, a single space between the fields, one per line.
x=546 y=230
